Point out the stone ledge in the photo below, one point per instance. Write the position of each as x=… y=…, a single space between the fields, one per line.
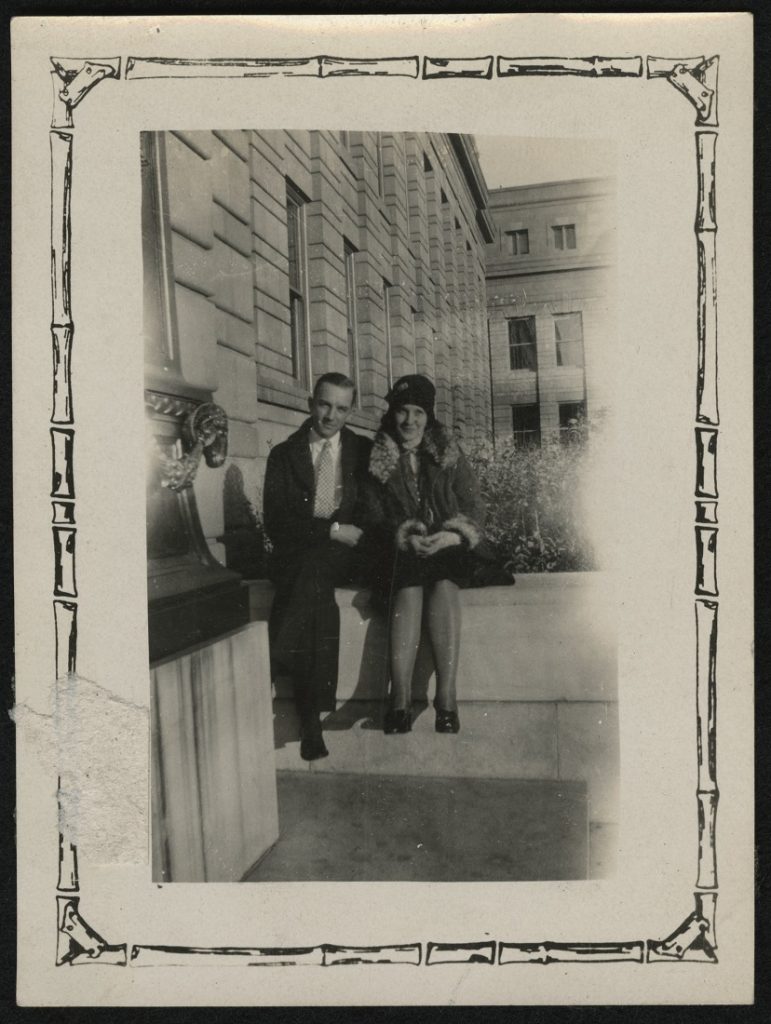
x=550 y=637
x=530 y=588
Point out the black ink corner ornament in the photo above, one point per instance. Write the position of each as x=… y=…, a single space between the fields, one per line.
x=696 y=79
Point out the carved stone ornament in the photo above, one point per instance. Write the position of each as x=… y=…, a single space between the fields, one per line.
x=205 y=432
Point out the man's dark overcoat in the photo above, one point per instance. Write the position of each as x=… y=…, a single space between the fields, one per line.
x=306 y=565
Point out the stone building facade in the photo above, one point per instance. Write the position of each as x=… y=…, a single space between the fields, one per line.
x=550 y=306
x=272 y=257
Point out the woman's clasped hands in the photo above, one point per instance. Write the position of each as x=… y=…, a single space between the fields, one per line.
x=424 y=547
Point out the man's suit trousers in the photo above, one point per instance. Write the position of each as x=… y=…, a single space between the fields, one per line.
x=305 y=621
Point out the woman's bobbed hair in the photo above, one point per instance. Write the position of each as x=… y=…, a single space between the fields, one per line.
x=388 y=421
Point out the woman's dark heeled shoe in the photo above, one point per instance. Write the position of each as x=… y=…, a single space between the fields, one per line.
x=397 y=720
x=447 y=721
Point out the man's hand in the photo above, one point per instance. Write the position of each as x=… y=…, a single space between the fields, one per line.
x=439 y=541
x=345 y=534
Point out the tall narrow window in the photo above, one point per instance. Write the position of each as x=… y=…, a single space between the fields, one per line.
x=159 y=320
x=526 y=424
x=564 y=236
x=518 y=242
x=569 y=337
x=407 y=211
x=349 y=258
x=523 y=354
x=295 y=229
x=380 y=174
x=387 y=332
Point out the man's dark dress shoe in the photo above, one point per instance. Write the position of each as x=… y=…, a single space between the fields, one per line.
x=447 y=721
x=397 y=720
x=312 y=746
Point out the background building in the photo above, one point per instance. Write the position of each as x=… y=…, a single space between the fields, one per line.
x=550 y=305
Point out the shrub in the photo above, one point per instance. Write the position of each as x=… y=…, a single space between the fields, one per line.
x=532 y=498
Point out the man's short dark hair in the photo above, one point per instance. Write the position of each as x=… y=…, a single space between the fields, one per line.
x=338 y=380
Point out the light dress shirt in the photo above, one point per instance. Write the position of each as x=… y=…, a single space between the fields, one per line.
x=316 y=445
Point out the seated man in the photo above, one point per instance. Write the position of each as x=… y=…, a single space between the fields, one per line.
x=311 y=488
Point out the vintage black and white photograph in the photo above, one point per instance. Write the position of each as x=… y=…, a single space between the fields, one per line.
x=383 y=535
x=378 y=398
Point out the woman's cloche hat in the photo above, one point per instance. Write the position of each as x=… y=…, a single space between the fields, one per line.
x=412 y=389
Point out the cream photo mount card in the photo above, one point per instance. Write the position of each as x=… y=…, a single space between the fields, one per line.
x=657 y=107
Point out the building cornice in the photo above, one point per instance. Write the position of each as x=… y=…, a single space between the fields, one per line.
x=468 y=161
x=506 y=266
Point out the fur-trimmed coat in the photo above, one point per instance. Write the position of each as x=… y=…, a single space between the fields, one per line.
x=446 y=497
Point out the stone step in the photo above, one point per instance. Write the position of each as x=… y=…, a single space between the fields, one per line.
x=515 y=740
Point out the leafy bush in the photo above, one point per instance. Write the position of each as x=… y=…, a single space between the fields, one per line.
x=532 y=499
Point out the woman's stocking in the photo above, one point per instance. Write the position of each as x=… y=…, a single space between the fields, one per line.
x=444 y=617
x=406 y=614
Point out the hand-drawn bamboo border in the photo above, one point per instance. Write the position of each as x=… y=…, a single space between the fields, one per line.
x=696 y=79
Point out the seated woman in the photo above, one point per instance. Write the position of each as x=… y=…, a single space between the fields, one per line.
x=423 y=515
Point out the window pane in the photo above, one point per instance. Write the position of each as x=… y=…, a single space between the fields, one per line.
x=380 y=176
x=567 y=326
x=569 y=335
x=569 y=353
x=570 y=236
x=523 y=354
x=570 y=411
x=557 y=232
x=519 y=243
x=350 y=285
x=350 y=310
x=524 y=330
x=293 y=237
x=297 y=330
x=387 y=331
x=296 y=271
x=526 y=426
x=571 y=414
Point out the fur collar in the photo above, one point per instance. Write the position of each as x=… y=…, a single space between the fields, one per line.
x=439 y=445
